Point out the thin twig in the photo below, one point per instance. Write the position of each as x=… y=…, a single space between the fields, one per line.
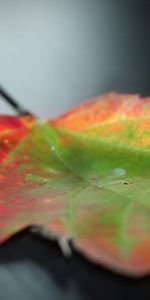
x=15 y=105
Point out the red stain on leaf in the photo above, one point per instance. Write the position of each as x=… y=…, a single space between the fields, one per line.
x=12 y=131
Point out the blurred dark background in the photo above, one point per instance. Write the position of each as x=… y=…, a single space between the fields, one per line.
x=53 y=55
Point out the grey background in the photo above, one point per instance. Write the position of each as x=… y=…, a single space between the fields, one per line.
x=50 y=56
x=53 y=55
x=56 y=53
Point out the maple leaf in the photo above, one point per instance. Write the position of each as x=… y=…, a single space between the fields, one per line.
x=83 y=176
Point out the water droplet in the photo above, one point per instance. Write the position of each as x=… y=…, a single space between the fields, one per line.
x=120 y=172
x=53 y=148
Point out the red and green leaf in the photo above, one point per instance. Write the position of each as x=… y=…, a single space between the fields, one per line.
x=84 y=176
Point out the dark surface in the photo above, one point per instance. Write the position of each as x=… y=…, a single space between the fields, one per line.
x=31 y=268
